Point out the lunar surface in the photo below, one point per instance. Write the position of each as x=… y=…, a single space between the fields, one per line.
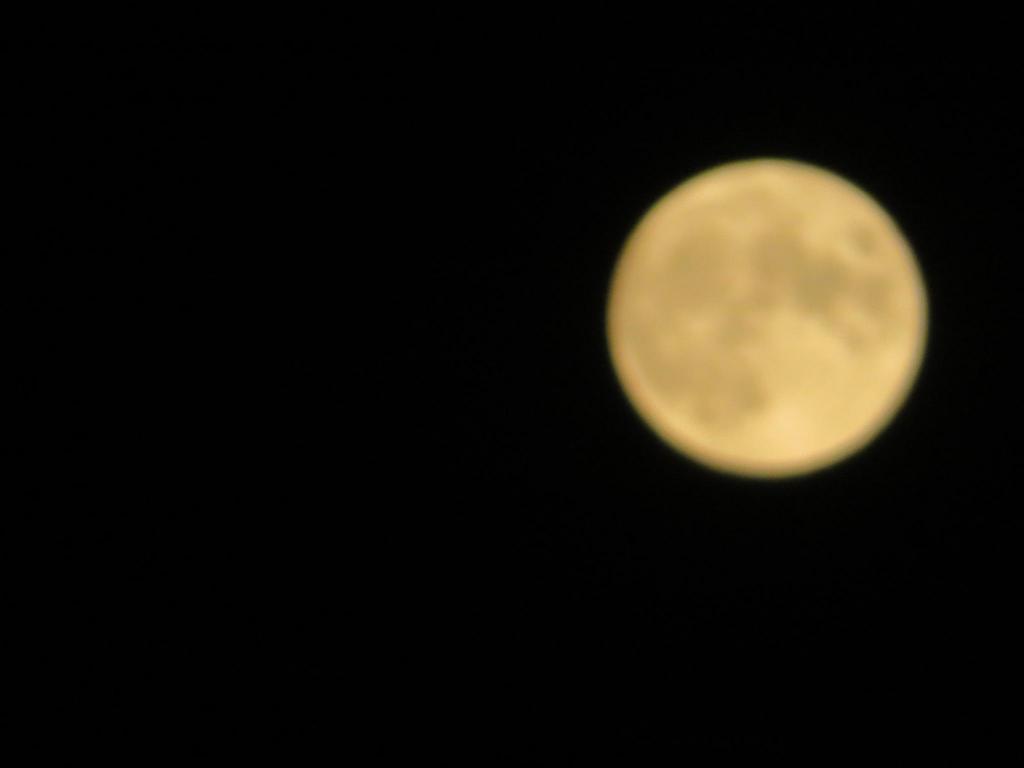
x=767 y=318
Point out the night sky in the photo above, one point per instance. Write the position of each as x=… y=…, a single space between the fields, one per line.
x=344 y=427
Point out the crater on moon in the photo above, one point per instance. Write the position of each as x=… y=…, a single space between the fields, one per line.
x=766 y=317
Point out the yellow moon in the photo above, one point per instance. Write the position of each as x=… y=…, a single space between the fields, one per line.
x=767 y=318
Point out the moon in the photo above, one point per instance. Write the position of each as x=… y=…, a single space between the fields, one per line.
x=767 y=318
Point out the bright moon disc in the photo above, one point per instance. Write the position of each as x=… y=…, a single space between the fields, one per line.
x=767 y=318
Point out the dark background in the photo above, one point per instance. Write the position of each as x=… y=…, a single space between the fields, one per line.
x=343 y=425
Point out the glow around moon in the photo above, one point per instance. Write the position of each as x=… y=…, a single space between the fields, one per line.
x=767 y=318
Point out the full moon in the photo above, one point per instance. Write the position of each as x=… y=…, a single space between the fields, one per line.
x=767 y=318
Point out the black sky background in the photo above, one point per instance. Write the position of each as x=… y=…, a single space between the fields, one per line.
x=329 y=334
